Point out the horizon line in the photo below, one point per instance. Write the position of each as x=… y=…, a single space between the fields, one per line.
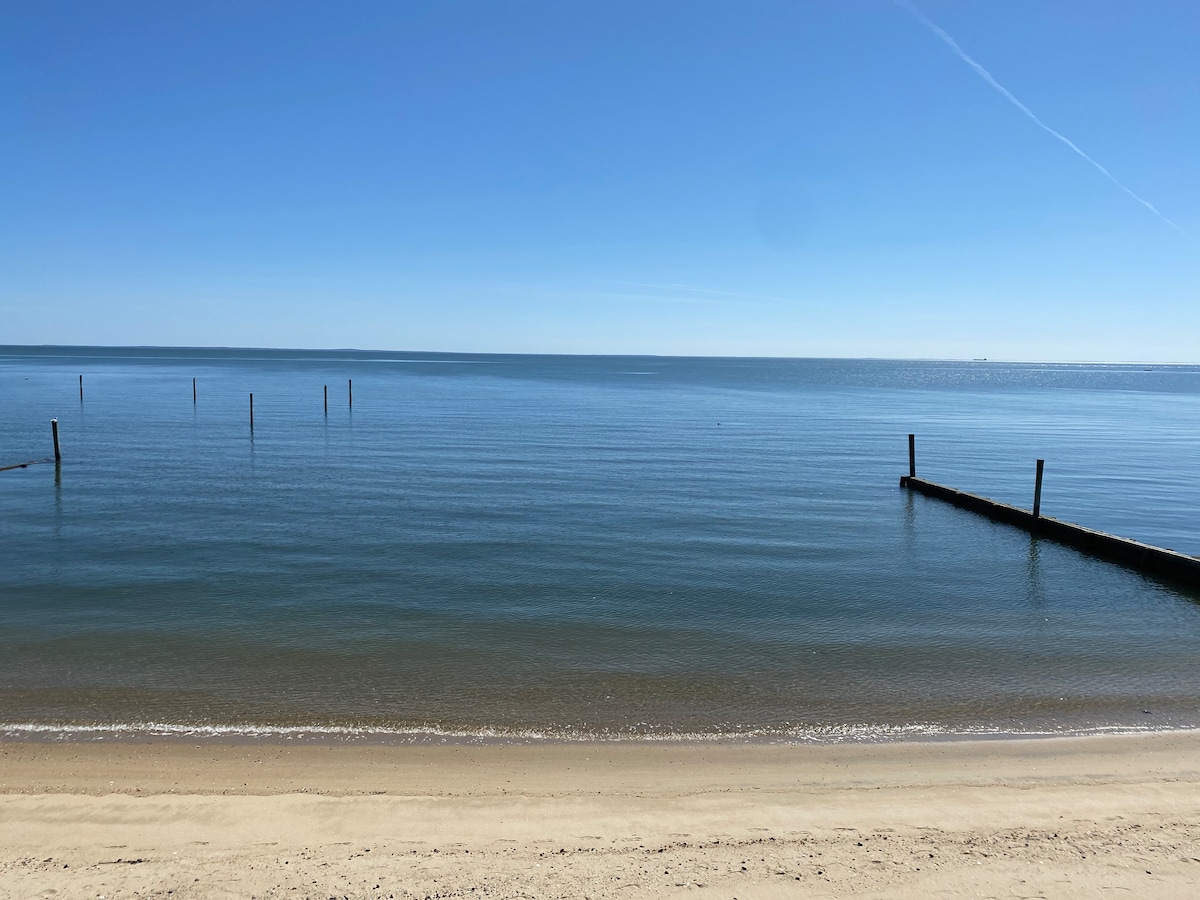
x=963 y=359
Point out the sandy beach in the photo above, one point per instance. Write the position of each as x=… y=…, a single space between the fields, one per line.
x=1063 y=817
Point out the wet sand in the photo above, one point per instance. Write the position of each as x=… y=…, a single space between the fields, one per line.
x=1063 y=817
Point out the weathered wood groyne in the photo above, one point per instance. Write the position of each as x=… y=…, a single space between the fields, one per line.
x=1124 y=551
x=26 y=465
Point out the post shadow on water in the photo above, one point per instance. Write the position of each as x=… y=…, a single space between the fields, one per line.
x=1035 y=588
x=909 y=521
x=1185 y=591
x=1033 y=569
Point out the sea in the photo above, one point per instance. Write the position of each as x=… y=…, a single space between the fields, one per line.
x=467 y=547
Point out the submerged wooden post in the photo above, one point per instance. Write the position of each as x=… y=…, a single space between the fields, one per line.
x=1037 y=489
x=350 y=391
x=193 y=391
x=252 y=412
x=326 y=399
x=54 y=432
x=80 y=388
x=912 y=456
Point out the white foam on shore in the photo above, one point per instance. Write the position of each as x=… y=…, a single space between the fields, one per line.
x=809 y=734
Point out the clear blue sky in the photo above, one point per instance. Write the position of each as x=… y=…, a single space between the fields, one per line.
x=804 y=178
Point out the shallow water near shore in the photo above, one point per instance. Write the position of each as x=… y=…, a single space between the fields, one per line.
x=582 y=547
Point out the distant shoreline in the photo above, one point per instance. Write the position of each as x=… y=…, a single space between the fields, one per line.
x=348 y=353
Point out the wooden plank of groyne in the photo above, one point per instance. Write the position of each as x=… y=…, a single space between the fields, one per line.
x=25 y=465
x=1134 y=554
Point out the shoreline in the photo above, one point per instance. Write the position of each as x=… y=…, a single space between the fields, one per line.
x=1055 y=817
x=348 y=735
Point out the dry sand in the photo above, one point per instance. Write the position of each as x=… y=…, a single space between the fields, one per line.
x=1074 y=817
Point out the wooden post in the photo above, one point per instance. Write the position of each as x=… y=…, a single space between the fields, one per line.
x=80 y=388
x=1037 y=489
x=912 y=456
x=193 y=392
x=326 y=399
x=350 y=391
x=54 y=432
x=252 y=412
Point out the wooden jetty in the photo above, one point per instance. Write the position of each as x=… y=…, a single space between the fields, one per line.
x=26 y=465
x=1133 y=554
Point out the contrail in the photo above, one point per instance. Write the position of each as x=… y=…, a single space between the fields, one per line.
x=983 y=73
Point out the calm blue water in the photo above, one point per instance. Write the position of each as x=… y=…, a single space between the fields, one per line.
x=583 y=546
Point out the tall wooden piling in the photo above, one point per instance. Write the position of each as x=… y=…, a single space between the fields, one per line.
x=326 y=399
x=54 y=433
x=193 y=392
x=1037 y=489
x=80 y=388
x=251 y=411
x=912 y=456
x=350 y=391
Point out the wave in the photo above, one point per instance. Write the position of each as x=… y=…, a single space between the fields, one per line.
x=808 y=734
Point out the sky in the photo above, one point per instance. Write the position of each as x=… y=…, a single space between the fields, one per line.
x=809 y=178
